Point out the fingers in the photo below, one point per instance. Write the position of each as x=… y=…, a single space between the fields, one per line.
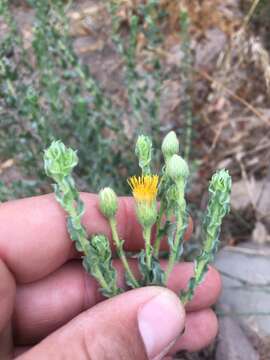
x=200 y=330
x=7 y=299
x=20 y=350
x=124 y=327
x=7 y=295
x=44 y=306
x=207 y=292
x=35 y=228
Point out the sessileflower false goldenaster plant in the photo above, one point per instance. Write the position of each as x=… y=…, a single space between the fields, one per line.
x=159 y=200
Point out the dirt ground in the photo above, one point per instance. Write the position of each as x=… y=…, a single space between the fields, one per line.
x=230 y=95
x=230 y=92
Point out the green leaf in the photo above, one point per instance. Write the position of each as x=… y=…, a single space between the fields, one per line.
x=155 y=276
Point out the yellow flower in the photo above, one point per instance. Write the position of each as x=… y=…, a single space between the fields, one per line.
x=144 y=188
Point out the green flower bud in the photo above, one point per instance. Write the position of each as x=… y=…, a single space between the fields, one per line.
x=147 y=213
x=100 y=247
x=177 y=168
x=221 y=181
x=170 y=145
x=59 y=160
x=143 y=151
x=108 y=202
x=220 y=190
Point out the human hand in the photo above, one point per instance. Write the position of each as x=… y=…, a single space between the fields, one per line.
x=51 y=309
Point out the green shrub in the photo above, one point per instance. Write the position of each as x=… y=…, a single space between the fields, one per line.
x=46 y=93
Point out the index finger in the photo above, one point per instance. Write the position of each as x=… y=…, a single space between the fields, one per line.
x=34 y=240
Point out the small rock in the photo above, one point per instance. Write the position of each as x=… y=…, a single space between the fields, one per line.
x=257 y=193
x=232 y=342
x=260 y=234
x=240 y=197
x=246 y=284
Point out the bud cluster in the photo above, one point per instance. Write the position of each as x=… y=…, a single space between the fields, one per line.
x=170 y=217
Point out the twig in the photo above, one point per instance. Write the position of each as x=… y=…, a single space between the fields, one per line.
x=208 y=77
x=250 y=13
x=217 y=136
x=239 y=33
x=238 y=158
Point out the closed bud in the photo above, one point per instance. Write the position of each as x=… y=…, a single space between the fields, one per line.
x=100 y=247
x=220 y=190
x=177 y=168
x=143 y=151
x=59 y=160
x=221 y=181
x=108 y=202
x=170 y=145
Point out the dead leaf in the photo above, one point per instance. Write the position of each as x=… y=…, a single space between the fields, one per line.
x=6 y=164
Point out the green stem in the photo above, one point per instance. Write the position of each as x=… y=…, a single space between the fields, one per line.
x=148 y=247
x=161 y=210
x=158 y=229
x=184 y=298
x=67 y=187
x=103 y=282
x=179 y=228
x=218 y=206
x=199 y=270
x=172 y=257
x=121 y=253
x=81 y=237
x=84 y=244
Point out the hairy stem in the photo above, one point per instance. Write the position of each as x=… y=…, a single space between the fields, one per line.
x=218 y=206
x=180 y=227
x=121 y=253
x=158 y=229
x=103 y=283
x=148 y=247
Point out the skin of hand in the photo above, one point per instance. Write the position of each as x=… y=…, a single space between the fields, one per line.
x=51 y=309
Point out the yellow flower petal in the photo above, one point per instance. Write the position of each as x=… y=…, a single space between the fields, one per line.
x=144 y=188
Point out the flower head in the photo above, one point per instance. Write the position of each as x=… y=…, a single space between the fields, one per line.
x=144 y=188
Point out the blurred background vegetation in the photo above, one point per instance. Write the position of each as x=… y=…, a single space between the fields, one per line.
x=48 y=93
x=96 y=74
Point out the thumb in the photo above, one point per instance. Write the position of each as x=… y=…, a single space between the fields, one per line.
x=139 y=324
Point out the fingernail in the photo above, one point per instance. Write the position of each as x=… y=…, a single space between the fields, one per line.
x=160 y=322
